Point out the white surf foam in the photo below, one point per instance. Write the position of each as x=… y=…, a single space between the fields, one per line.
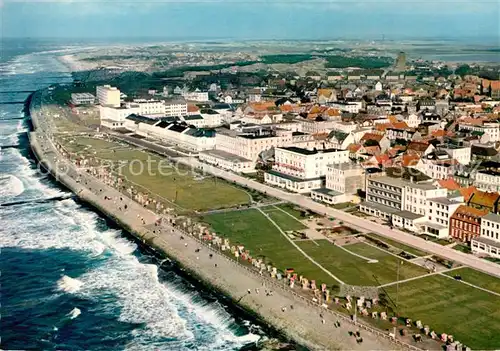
x=68 y=284
x=10 y=186
x=165 y=311
x=75 y=312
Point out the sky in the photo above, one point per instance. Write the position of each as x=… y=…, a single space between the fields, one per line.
x=251 y=19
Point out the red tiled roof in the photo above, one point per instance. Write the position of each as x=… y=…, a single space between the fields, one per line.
x=449 y=184
x=372 y=136
x=484 y=198
x=410 y=160
x=471 y=211
x=418 y=146
x=467 y=192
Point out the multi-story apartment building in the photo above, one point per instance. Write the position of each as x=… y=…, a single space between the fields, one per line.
x=438 y=213
x=114 y=117
x=227 y=161
x=465 y=223
x=487 y=180
x=302 y=170
x=175 y=107
x=350 y=106
x=488 y=242
x=417 y=194
x=150 y=107
x=384 y=196
x=343 y=180
x=402 y=202
x=251 y=142
x=108 y=96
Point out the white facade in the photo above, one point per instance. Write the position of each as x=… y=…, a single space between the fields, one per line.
x=175 y=108
x=460 y=154
x=108 y=96
x=118 y=113
x=438 y=214
x=302 y=170
x=351 y=107
x=345 y=178
x=412 y=120
x=488 y=241
x=150 y=107
x=200 y=96
x=82 y=99
x=183 y=137
x=313 y=127
x=417 y=194
x=487 y=181
x=249 y=146
x=306 y=164
x=435 y=169
x=227 y=161
x=492 y=130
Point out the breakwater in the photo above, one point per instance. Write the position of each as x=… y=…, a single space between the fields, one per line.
x=301 y=323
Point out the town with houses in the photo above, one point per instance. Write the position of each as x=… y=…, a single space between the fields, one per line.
x=419 y=154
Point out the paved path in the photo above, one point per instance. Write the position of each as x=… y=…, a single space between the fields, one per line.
x=415 y=278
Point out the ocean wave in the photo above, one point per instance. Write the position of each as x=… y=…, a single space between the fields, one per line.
x=75 y=312
x=10 y=186
x=68 y=284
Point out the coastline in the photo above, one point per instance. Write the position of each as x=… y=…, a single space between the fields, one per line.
x=302 y=324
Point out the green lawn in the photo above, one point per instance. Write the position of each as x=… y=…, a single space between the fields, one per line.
x=472 y=316
x=355 y=270
x=282 y=219
x=176 y=184
x=397 y=245
x=480 y=279
x=253 y=230
x=293 y=210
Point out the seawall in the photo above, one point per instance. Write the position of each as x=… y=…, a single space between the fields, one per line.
x=302 y=324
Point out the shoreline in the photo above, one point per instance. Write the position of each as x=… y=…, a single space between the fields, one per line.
x=301 y=324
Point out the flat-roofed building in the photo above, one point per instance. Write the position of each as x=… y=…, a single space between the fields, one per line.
x=252 y=141
x=488 y=242
x=302 y=170
x=488 y=180
x=176 y=107
x=342 y=183
x=438 y=214
x=108 y=96
x=82 y=99
x=227 y=161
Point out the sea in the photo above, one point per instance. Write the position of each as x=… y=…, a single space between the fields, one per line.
x=71 y=280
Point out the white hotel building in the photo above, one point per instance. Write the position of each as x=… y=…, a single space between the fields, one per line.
x=108 y=96
x=301 y=170
x=251 y=143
